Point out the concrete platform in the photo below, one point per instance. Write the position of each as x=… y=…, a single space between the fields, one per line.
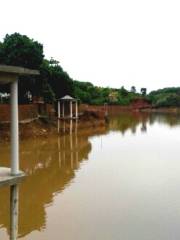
x=7 y=179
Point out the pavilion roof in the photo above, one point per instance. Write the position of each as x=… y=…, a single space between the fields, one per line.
x=9 y=73
x=67 y=98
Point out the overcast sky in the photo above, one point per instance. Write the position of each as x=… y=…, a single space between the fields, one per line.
x=107 y=42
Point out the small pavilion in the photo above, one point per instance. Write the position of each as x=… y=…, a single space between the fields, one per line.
x=65 y=101
x=10 y=75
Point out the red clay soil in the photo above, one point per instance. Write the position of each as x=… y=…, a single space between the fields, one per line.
x=137 y=104
x=140 y=104
x=44 y=128
x=34 y=129
x=91 y=117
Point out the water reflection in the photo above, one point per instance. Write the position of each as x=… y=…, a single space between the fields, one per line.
x=67 y=126
x=129 y=120
x=50 y=171
x=169 y=119
x=51 y=165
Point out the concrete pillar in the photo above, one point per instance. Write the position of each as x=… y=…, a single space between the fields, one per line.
x=14 y=202
x=14 y=129
x=76 y=109
x=71 y=114
x=59 y=109
x=63 y=110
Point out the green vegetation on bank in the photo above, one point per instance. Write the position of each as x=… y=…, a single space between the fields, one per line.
x=54 y=82
x=166 y=97
x=88 y=93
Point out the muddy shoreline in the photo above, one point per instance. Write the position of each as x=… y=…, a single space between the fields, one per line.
x=43 y=129
x=91 y=120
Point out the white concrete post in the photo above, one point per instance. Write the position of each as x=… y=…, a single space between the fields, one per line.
x=63 y=110
x=14 y=202
x=71 y=115
x=59 y=109
x=14 y=129
x=76 y=109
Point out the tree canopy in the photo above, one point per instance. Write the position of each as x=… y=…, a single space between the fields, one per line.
x=19 y=50
x=165 y=97
x=53 y=82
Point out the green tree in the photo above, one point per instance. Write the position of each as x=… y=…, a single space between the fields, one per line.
x=19 y=50
x=60 y=82
x=123 y=92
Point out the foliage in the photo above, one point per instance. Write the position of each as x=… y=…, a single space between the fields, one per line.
x=88 y=93
x=53 y=82
x=53 y=74
x=165 y=97
x=47 y=93
x=19 y=50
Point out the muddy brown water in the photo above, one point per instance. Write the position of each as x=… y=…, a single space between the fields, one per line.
x=121 y=181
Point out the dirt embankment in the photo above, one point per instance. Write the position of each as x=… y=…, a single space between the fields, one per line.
x=90 y=119
x=136 y=105
x=33 y=129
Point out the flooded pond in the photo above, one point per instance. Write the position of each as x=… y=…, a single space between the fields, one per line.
x=121 y=181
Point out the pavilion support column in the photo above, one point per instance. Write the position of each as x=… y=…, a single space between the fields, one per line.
x=14 y=202
x=14 y=129
x=59 y=109
x=76 y=109
x=71 y=114
x=63 y=110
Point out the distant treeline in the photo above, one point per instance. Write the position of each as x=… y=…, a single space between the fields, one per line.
x=53 y=82
x=88 y=93
x=166 y=97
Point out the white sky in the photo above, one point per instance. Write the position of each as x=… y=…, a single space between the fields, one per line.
x=107 y=42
